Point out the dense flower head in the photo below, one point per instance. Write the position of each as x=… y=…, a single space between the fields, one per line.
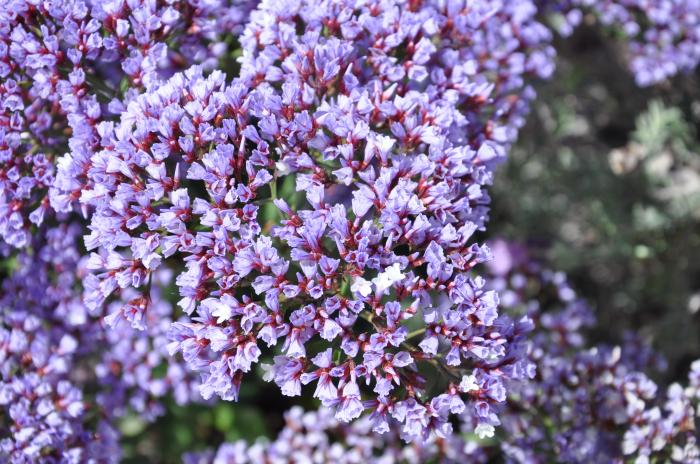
x=316 y=214
x=380 y=144
x=60 y=62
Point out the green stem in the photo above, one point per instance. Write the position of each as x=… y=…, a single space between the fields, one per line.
x=415 y=333
x=273 y=187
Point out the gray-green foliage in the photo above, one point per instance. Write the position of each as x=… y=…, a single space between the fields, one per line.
x=667 y=152
x=605 y=180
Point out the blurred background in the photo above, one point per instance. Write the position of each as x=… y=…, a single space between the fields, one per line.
x=604 y=184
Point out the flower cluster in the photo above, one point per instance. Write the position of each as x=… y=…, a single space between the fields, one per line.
x=318 y=437
x=388 y=140
x=662 y=36
x=316 y=211
x=53 y=352
x=60 y=61
x=135 y=370
x=42 y=332
x=586 y=404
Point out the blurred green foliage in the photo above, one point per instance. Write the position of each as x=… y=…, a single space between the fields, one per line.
x=196 y=427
